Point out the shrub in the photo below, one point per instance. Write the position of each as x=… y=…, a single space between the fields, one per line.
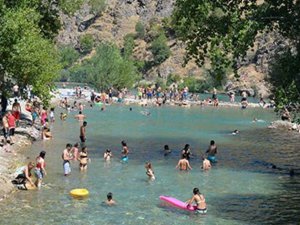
x=140 y=30
x=86 y=43
x=68 y=56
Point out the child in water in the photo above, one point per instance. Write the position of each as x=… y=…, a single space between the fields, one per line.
x=167 y=150
x=107 y=155
x=110 y=200
x=149 y=171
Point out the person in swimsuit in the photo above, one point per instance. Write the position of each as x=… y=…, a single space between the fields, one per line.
x=110 y=200
x=149 y=171
x=206 y=164
x=183 y=164
x=66 y=156
x=187 y=151
x=52 y=117
x=83 y=159
x=199 y=200
x=40 y=171
x=82 y=132
x=107 y=155
x=212 y=151
x=75 y=151
x=5 y=125
x=125 y=151
x=80 y=116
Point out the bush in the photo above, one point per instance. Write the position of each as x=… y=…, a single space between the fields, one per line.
x=140 y=30
x=195 y=85
x=173 y=78
x=86 y=43
x=97 y=6
x=160 y=50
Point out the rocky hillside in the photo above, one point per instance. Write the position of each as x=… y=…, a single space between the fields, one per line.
x=120 y=18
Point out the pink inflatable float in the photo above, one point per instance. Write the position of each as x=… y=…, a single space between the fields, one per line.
x=177 y=203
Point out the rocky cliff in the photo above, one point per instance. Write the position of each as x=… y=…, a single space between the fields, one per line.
x=120 y=19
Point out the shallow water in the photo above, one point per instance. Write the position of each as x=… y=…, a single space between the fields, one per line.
x=241 y=188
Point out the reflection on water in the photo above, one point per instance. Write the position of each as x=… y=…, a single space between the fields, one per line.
x=242 y=188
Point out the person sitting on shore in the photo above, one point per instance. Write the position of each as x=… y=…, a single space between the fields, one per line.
x=107 y=155
x=23 y=179
x=183 y=164
x=46 y=133
x=110 y=200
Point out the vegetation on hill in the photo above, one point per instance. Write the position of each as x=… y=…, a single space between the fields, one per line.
x=223 y=31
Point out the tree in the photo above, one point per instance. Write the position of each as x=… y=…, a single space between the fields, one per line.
x=160 y=49
x=68 y=56
x=223 y=31
x=107 y=68
x=128 y=45
x=26 y=58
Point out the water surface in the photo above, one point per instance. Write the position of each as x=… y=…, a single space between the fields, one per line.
x=241 y=188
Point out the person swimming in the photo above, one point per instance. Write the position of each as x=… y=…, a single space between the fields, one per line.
x=235 y=132
x=167 y=150
x=206 y=165
x=110 y=200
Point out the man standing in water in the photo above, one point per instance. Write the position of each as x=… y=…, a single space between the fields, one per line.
x=212 y=151
x=82 y=132
x=80 y=116
x=66 y=156
x=183 y=164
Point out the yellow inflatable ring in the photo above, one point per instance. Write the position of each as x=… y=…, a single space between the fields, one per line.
x=79 y=193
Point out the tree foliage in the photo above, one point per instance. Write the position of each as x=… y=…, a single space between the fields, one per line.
x=128 y=45
x=107 y=68
x=140 y=30
x=68 y=56
x=26 y=57
x=222 y=31
x=160 y=50
x=86 y=43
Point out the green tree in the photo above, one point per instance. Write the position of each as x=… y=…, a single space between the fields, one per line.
x=86 y=43
x=107 y=68
x=26 y=58
x=160 y=50
x=68 y=56
x=222 y=31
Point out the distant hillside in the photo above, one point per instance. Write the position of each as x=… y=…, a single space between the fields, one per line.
x=120 y=19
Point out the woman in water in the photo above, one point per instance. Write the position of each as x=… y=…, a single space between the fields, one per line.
x=149 y=171
x=40 y=171
x=83 y=159
x=107 y=155
x=199 y=200
x=124 y=151
x=187 y=151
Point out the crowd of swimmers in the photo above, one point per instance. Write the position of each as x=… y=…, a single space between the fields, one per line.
x=71 y=152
